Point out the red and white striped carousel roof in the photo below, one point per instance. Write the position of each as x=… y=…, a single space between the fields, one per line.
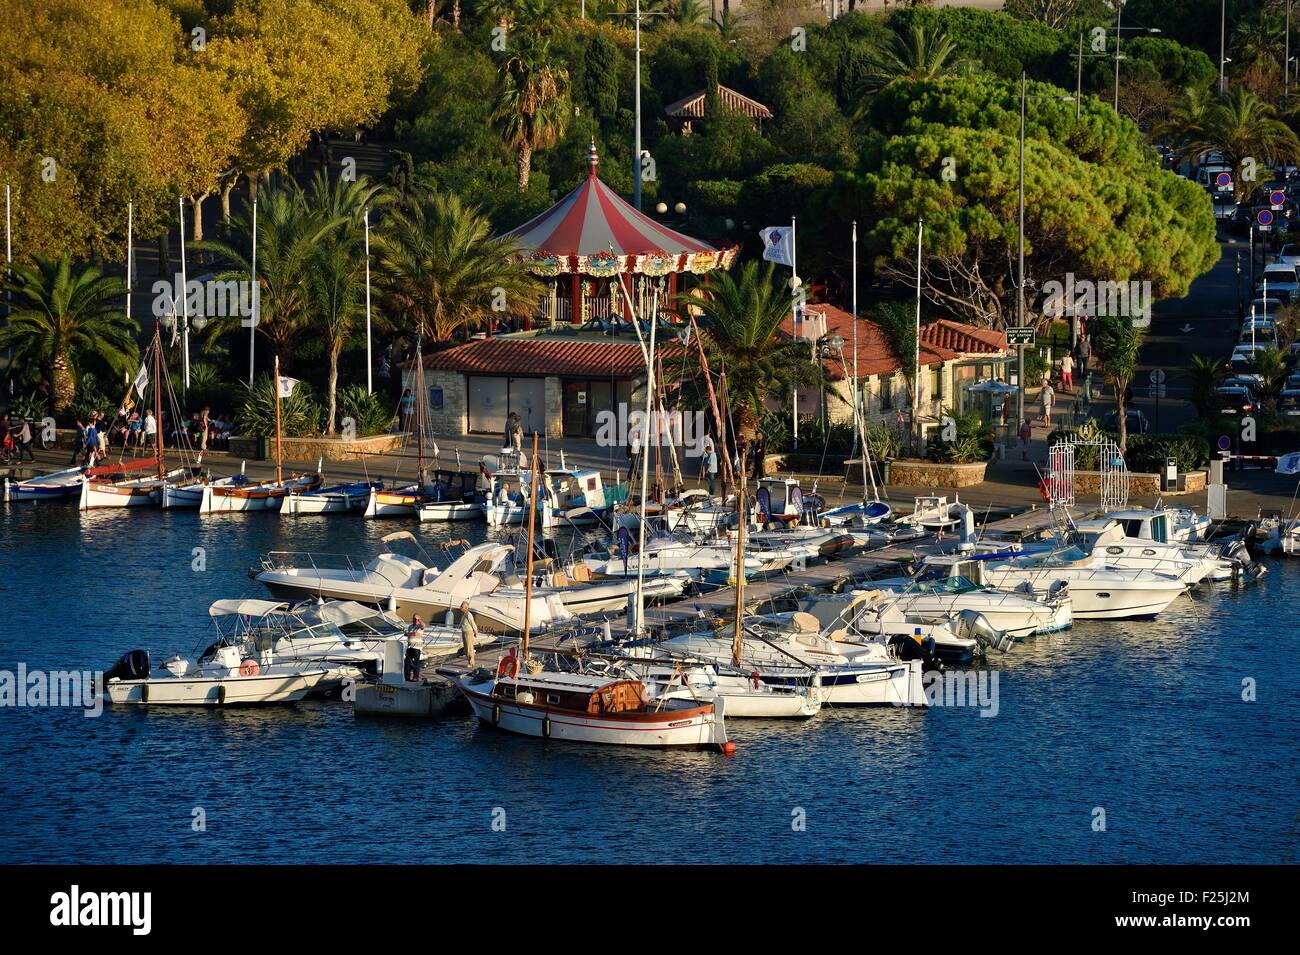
x=594 y=230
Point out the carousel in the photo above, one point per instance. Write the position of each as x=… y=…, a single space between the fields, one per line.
x=592 y=242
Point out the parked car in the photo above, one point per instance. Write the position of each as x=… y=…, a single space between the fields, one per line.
x=1288 y=402
x=1260 y=331
x=1224 y=206
x=1235 y=399
x=1242 y=359
x=1207 y=176
x=1289 y=254
x=1279 y=281
x=1136 y=421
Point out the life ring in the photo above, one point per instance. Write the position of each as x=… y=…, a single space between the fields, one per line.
x=249 y=667
x=509 y=666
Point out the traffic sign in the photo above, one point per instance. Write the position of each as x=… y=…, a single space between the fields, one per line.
x=1157 y=376
x=1225 y=442
x=1156 y=391
x=1276 y=198
x=1223 y=180
x=1265 y=218
x=1020 y=336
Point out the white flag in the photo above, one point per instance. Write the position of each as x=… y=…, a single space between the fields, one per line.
x=778 y=244
x=286 y=386
x=141 y=380
x=1288 y=463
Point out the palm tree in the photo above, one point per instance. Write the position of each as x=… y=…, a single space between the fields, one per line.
x=1239 y=125
x=1187 y=117
x=1270 y=365
x=922 y=54
x=532 y=105
x=741 y=315
x=65 y=318
x=1115 y=343
x=335 y=286
x=1204 y=375
x=441 y=270
x=289 y=234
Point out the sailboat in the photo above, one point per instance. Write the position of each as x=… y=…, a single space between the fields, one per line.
x=405 y=501
x=222 y=497
x=100 y=490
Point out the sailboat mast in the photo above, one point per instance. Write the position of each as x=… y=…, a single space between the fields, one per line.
x=157 y=398
x=638 y=614
x=532 y=521
x=279 y=477
x=740 y=568
x=419 y=409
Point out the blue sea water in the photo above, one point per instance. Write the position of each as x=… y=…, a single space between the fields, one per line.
x=1144 y=721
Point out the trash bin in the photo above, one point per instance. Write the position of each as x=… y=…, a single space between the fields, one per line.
x=263 y=448
x=884 y=471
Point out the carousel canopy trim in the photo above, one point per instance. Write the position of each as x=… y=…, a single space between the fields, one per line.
x=594 y=231
x=692 y=107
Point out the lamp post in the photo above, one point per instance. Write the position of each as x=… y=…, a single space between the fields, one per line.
x=637 y=16
x=1223 y=35
x=1239 y=311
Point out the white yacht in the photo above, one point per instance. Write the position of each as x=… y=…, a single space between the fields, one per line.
x=937 y=594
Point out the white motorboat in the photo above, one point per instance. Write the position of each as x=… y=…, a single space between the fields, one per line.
x=875 y=616
x=747 y=696
x=506 y=501
x=1108 y=545
x=408 y=586
x=932 y=512
x=667 y=555
x=793 y=652
x=453 y=496
x=55 y=486
x=584 y=708
x=1164 y=525
x=224 y=679
x=938 y=594
x=1096 y=592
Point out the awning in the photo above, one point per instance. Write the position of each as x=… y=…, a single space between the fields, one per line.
x=247 y=608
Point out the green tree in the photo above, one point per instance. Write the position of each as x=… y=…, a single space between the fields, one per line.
x=65 y=319
x=335 y=288
x=1239 y=125
x=1203 y=377
x=442 y=272
x=741 y=317
x=1115 y=344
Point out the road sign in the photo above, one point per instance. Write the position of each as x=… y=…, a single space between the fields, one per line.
x=1225 y=442
x=1223 y=180
x=1156 y=391
x=1277 y=198
x=1020 y=336
x=1157 y=376
x=1264 y=218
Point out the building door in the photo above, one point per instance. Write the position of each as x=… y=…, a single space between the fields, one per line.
x=488 y=403
x=528 y=400
x=577 y=398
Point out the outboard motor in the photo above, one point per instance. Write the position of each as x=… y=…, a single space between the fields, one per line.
x=973 y=625
x=906 y=648
x=133 y=665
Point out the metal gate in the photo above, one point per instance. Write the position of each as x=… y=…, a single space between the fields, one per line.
x=1060 y=475
x=1112 y=472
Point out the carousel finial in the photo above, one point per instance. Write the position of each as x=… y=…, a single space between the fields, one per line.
x=592 y=158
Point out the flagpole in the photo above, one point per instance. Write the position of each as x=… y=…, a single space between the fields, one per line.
x=257 y=301
x=916 y=371
x=859 y=412
x=370 y=389
x=794 y=289
x=279 y=477
x=185 y=300
x=9 y=256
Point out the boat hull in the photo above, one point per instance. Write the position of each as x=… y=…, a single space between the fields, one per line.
x=96 y=495
x=699 y=727
x=215 y=691
x=450 y=511
x=36 y=490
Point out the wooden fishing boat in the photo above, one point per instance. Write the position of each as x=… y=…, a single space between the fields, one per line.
x=54 y=486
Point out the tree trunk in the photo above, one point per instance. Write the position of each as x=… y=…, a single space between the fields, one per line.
x=1122 y=420
x=196 y=231
x=525 y=165
x=430 y=14
x=455 y=15
x=62 y=387
x=333 y=389
x=227 y=187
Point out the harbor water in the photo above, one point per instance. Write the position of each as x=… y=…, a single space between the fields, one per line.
x=1113 y=742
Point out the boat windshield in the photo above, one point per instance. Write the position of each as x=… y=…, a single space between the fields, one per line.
x=1055 y=558
x=949 y=585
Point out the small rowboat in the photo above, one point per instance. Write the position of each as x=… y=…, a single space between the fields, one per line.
x=259 y=496
x=45 y=487
x=335 y=499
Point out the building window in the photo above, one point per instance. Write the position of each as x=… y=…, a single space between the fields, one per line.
x=936 y=383
x=887 y=393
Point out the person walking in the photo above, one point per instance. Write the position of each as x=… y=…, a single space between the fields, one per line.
x=1067 y=372
x=408 y=409
x=760 y=458
x=204 y=423
x=710 y=463
x=1026 y=430
x=1047 y=397
x=25 y=441
x=468 y=632
x=78 y=443
x=91 y=442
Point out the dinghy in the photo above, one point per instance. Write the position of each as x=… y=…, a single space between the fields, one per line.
x=55 y=486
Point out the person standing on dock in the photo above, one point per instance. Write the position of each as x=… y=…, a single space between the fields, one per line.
x=710 y=463
x=468 y=631
x=514 y=432
x=78 y=443
x=1048 y=398
x=414 y=649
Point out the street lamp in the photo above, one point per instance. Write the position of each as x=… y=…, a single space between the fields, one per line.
x=1223 y=36
x=834 y=345
x=1020 y=271
x=1239 y=307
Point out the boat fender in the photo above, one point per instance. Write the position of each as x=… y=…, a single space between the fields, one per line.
x=546 y=727
x=221 y=694
x=754 y=677
x=248 y=667
x=496 y=714
x=144 y=693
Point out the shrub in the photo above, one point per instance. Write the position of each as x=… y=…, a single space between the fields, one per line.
x=32 y=406
x=89 y=397
x=971 y=443
x=300 y=413
x=370 y=412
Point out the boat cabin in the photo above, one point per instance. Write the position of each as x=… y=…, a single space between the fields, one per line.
x=779 y=499
x=574 y=692
x=567 y=490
